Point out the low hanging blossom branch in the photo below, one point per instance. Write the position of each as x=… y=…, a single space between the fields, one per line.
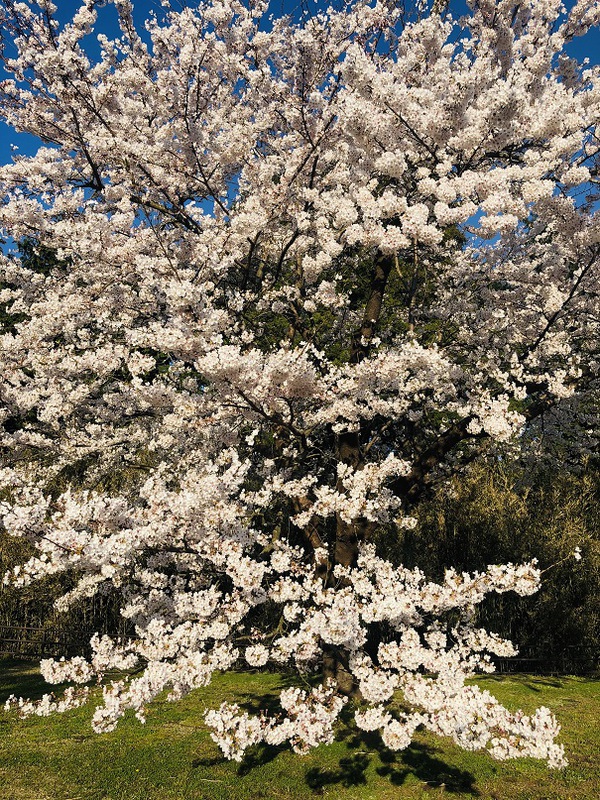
x=428 y=662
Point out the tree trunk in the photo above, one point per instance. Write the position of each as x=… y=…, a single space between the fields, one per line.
x=349 y=535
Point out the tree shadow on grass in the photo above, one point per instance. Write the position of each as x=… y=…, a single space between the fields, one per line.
x=23 y=679
x=537 y=683
x=418 y=760
x=351 y=772
x=261 y=754
x=211 y=761
x=258 y=756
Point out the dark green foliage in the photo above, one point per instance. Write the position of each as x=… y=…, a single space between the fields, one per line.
x=497 y=514
x=42 y=630
x=39 y=259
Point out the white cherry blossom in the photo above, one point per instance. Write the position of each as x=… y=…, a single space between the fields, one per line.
x=291 y=271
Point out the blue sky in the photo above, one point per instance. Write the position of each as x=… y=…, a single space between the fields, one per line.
x=585 y=47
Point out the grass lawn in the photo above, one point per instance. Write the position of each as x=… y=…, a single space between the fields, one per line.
x=171 y=757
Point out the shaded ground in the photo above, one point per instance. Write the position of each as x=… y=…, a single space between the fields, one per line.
x=173 y=758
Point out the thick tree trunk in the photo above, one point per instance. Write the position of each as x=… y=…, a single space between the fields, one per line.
x=335 y=668
x=349 y=535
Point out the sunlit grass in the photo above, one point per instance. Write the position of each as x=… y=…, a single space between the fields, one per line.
x=172 y=757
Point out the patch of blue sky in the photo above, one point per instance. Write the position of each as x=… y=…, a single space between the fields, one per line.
x=18 y=142
x=584 y=47
x=21 y=143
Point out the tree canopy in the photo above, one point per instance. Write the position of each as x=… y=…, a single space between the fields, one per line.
x=302 y=269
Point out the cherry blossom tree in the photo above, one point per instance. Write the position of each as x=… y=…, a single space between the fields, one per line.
x=302 y=269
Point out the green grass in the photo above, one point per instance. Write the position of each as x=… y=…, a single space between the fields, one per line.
x=171 y=757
